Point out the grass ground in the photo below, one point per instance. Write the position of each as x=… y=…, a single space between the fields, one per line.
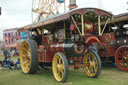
x=109 y=76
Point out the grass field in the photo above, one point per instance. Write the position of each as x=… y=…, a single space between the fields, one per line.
x=109 y=76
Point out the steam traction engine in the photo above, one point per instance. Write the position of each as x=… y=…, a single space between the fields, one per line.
x=115 y=41
x=110 y=41
x=63 y=41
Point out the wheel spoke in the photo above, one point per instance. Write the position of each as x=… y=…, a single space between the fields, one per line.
x=59 y=60
x=28 y=65
x=89 y=57
x=25 y=62
x=93 y=59
x=121 y=54
x=126 y=51
x=23 y=55
x=29 y=55
x=96 y=67
x=25 y=49
x=26 y=46
x=91 y=69
x=62 y=73
x=24 y=52
x=59 y=74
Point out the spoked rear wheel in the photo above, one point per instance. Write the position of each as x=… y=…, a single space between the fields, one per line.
x=121 y=57
x=92 y=64
x=60 y=67
x=28 y=56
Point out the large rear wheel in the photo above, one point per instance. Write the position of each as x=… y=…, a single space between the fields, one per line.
x=92 y=64
x=60 y=67
x=28 y=56
x=121 y=57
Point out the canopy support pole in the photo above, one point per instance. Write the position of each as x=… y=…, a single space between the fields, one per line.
x=82 y=20
x=99 y=27
x=76 y=25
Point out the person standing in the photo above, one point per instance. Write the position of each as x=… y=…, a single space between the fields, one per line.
x=5 y=54
x=8 y=53
x=17 y=63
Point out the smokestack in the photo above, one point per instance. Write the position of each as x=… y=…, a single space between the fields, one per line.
x=127 y=4
x=72 y=4
x=0 y=10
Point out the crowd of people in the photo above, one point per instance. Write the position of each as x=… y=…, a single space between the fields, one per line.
x=7 y=61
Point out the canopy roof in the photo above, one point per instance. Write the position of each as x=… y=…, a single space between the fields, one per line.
x=63 y=16
x=120 y=18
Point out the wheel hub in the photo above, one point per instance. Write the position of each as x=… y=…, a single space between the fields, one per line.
x=92 y=64
x=60 y=67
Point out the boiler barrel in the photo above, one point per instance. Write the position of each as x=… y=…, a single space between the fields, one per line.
x=74 y=50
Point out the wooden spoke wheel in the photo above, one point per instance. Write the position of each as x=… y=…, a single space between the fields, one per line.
x=28 y=56
x=92 y=64
x=60 y=67
x=121 y=57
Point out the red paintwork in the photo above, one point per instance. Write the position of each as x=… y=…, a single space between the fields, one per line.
x=110 y=48
x=48 y=48
x=92 y=39
x=105 y=39
x=72 y=27
x=103 y=42
x=77 y=62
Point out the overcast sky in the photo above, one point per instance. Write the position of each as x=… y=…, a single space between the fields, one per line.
x=17 y=13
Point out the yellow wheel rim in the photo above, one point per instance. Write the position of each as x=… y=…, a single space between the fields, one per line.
x=90 y=64
x=58 y=67
x=25 y=57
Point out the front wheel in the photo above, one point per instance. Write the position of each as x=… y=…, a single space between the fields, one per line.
x=92 y=64
x=60 y=67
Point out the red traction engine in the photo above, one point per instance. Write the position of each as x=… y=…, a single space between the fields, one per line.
x=107 y=47
x=62 y=42
x=110 y=42
x=117 y=48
